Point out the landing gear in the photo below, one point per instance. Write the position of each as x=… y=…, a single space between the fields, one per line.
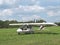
x=41 y=27
x=18 y=33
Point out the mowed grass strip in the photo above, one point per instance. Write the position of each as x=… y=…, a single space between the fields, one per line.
x=48 y=36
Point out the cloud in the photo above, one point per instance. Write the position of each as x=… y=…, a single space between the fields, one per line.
x=6 y=12
x=4 y=4
x=52 y=13
x=15 y=3
x=36 y=2
x=10 y=1
x=53 y=0
x=53 y=10
x=22 y=10
x=1 y=2
x=29 y=9
x=34 y=8
x=27 y=17
x=7 y=2
x=33 y=0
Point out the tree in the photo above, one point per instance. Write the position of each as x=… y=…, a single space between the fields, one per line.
x=58 y=23
x=13 y=21
x=1 y=23
x=6 y=24
x=41 y=21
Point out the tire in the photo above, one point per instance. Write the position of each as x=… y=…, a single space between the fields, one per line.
x=18 y=33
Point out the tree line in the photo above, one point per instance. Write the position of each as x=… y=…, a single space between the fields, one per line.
x=5 y=24
x=58 y=23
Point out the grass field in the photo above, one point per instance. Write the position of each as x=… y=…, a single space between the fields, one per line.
x=48 y=36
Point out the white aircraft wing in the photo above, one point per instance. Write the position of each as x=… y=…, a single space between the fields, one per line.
x=34 y=24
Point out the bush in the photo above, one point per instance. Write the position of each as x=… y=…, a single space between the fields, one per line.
x=58 y=23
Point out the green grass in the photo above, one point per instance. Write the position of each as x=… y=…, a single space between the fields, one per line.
x=48 y=36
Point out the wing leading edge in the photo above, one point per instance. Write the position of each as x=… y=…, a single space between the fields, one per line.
x=34 y=24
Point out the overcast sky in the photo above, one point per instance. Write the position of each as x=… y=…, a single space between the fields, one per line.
x=24 y=10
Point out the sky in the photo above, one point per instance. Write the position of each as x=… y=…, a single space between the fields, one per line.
x=26 y=10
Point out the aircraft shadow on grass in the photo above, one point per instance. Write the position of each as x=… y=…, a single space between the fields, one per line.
x=54 y=33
